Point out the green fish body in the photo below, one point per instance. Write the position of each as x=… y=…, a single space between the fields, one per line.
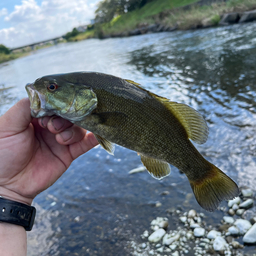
x=120 y=111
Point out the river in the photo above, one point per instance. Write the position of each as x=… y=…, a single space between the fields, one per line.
x=96 y=207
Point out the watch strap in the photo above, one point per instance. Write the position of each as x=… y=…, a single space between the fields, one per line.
x=17 y=213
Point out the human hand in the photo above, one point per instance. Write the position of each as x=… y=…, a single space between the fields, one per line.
x=34 y=153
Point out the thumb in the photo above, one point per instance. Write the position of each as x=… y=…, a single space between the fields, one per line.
x=16 y=119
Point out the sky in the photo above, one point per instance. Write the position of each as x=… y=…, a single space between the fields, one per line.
x=23 y=22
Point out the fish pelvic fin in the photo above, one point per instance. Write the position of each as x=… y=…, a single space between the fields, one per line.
x=157 y=168
x=214 y=187
x=106 y=144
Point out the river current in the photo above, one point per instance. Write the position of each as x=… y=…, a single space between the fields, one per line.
x=96 y=207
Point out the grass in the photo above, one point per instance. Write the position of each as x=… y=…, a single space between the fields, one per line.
x=82 y=36
x=11 y=56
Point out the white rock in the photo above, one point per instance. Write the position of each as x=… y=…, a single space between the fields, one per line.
x=176 y=253
x=250 y=236
x=231 y=212
x=194 y=225
x=156 y=236
x=160 y=249
x=247 y=192
x=228 y=219
x=233 y=231
x=235 y=207
x=192 y=214
x=236 y=200
x=136 y=170
x=145 y=233
x=242 y=225
x=240 y=212
x=213 y=234
x=183 y=219
x=169 y=239
x=219 y=244
x=173 y=247
x=246 y=204
x=199 y=232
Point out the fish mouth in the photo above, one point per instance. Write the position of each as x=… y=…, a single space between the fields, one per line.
x=37 y=102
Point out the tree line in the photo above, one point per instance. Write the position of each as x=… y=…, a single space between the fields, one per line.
x=108 y=9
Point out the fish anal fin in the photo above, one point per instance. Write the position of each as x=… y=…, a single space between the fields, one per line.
x=107 y=145
x=213 y=188
x=157 y=168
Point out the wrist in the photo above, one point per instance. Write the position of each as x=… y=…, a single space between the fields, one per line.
x=14 y=196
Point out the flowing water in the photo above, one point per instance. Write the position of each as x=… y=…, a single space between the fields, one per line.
x=97 y=208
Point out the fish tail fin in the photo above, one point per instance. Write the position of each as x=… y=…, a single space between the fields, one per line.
x=213 y=187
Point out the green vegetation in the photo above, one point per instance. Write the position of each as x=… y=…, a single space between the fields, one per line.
x=5 y=54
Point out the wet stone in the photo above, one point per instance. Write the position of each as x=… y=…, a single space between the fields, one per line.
x=250 y=236
x=231 y=212
x=228 y=219
x=234 y=231
x=247 y=192
x=219 y=244
x=192 y=214
x=236 y=200
x=156 y=236
x=242 y=225
x=199 y=232
x=213 y=234
x=235 y=207
x=246 y=204
x=240 y=212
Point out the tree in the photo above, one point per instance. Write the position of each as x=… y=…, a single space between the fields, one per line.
x=4 y=49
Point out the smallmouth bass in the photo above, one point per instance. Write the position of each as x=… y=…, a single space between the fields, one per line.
x=120 y=111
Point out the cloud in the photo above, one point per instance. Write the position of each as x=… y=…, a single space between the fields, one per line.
x=3 y=12
x=30 y=22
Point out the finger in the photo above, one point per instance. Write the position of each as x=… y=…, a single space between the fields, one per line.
x=16 y=119
x=57 y=124
x=88 y=142
x=44 y=121
x=70 y=135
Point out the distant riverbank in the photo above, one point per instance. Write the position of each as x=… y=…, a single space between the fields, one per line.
x=183 y=16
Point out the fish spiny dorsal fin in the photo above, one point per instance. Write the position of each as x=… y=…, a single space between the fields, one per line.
x=192 y=121
x=157 y=168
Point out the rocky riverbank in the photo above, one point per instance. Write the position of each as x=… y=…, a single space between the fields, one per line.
x=194 y=236
x=223 y=20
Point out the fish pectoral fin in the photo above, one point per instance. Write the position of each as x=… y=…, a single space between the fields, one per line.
x=157 y=168
x=107 y=145
x=112 y=119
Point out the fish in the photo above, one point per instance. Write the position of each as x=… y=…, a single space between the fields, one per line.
x=120 y=111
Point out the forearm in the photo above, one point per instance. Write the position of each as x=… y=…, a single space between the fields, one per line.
x=13 y=240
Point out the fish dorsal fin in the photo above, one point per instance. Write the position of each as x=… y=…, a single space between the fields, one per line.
x=157 y=168
x=107 y=145
x=192 y=121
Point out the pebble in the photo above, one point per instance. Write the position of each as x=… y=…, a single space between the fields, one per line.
x=145 y=233
x=233 y=231
x=242 y=225
x=173 y=247
x=143 y=246
x=253 y=220
x=236 y=245
x=199 y=232
x=176 y=253
x=213 y=234
x=246 y=204
x=156 y=236
x=247 y=192
x=235 y=207
x=192 y=214
x=250 y=236
x=228 y=219
x=194 y=225
x=231 y=212
x=183 y=219
x=219 y=244
x=240 y=212
x=169 y=239
x=236 y=200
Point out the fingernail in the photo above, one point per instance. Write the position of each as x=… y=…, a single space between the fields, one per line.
x=66 y=135
x=57 y=123
x=44 y=121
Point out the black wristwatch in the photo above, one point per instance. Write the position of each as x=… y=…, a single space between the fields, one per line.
x=17 y=213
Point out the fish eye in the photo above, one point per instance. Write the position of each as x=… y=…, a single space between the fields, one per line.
x=52 y=87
